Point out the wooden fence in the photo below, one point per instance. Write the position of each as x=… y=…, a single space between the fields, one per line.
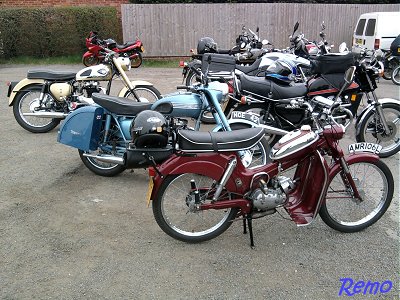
x=172 y=29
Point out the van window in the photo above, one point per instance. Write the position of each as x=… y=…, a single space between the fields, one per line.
x=370 y=27
x=360 y=27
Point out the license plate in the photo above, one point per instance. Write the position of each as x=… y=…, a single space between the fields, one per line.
x=142 y=48
x=359 y=41
x=252 y=117
x=149 y=190
x=365 y=147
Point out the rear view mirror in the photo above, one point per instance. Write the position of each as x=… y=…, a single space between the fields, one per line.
x=296 y=26
x=349 y=75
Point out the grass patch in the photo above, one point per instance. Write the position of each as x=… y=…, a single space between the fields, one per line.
x=77 y=59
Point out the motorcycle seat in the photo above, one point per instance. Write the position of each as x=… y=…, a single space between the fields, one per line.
x=125 y=45
x=51 y=75
x=249 y=70
x=120 y=105
x=201 y=141
x=269 y=89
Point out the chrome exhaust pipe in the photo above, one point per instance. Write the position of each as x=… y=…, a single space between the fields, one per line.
x=273 y=130
x=107 y=158
x=47 y=114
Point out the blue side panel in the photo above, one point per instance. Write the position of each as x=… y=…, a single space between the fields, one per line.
x=185 y=105
x=81 y=128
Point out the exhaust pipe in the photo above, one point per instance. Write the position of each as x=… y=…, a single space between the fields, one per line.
x=47 y=114
x=107 y=158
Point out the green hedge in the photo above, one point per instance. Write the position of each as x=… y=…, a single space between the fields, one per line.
x=47 y=32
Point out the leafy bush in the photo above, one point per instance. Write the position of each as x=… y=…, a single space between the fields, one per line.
x=47 y=32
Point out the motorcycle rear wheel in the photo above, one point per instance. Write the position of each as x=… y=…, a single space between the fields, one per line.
x=396 y=76
x=100 y=168
x=90 y=61
x=26 y=101
x=370 y=130
x=374 y=182
x=174 y=211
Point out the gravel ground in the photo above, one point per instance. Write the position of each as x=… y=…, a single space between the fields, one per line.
x=68 y=234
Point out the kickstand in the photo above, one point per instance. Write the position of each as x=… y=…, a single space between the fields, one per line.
x=250 y=225
x=244 y=226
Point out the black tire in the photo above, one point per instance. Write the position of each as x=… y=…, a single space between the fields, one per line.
x=389 y=67
x=369 y=128
x=172 y=213
x=24 y=102
x=192 y=78
x=90 y=61
x=137 y=61
x=396 y=76
x=271 y=139
x=145 y=93
x=259 y=154
x=373 y=180
x=101 y=168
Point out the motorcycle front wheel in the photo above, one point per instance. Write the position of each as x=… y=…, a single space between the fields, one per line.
x=27 y=101
x=136 y=61
x=396 y=76
x=89 y=61
x=145 y=94
x=374 y=182
x=371 y=129
x=177 y=215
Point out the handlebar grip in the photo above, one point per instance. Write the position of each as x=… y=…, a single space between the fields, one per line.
x=182 y=87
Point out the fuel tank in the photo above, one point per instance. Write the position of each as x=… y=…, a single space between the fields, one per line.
x=295 y=144
x=97 y=72
x=187 y=105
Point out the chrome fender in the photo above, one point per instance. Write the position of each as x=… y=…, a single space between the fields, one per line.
x=267 y=129
x=20 y=85
x=366 y=110
x=134 y=83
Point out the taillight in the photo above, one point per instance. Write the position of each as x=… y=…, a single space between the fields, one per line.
x=377 y=43
x=181 y=63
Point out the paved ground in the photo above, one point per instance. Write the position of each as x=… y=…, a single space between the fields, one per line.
x=68 y=234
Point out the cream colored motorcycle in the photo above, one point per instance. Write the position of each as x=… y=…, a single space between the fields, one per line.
x=42 y=99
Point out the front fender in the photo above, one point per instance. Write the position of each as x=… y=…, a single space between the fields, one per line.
x=22 y=84
x=351 y=159
x=369 y=108
x=87 y=54
x=236 y=121
x=134 y=83
x=211 y=164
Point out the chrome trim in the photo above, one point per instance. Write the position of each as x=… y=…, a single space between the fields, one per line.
x=258 y=174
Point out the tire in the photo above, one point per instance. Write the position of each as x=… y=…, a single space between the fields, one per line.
x=396 y=76
x=374 y=182
x=192 y=78
x=137 y=61
x=370 y=127
x=100 y=168
x=172 y=213
x=145 y=93
x=271 y=139
x=90 y=61
x=25 y=101
x=258 y=155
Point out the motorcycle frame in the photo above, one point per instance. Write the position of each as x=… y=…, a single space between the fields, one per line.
x=312 y=171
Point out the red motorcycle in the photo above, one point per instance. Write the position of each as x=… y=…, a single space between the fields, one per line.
x=202 y=188
x=96 y=52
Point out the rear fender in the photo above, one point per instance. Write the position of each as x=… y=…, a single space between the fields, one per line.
x=26 y=84
x=134 y=83
x=211 y=165
x=231 y=122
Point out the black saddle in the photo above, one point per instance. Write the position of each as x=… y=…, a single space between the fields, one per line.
x=200 y=141
x=51 y=75
x=250 y=70
x=119 y=105
x=126 y=45
x=269 y=89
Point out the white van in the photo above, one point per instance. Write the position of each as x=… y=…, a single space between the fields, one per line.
x=376 y=30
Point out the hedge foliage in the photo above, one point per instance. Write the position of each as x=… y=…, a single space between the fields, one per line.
x=44 y=32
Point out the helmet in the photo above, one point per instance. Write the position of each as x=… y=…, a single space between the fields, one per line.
x=206 y=44
x=148 y=130
x=282 y=71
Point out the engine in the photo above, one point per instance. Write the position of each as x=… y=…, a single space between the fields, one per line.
x=84 y=91
x=269 y=197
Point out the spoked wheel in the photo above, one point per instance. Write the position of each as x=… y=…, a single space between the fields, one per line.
x=145 y=93
x=396 y=76
x=27 y=102
x=107 y=169
x=372 y=130
x=177 y=214
x=342 y=212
